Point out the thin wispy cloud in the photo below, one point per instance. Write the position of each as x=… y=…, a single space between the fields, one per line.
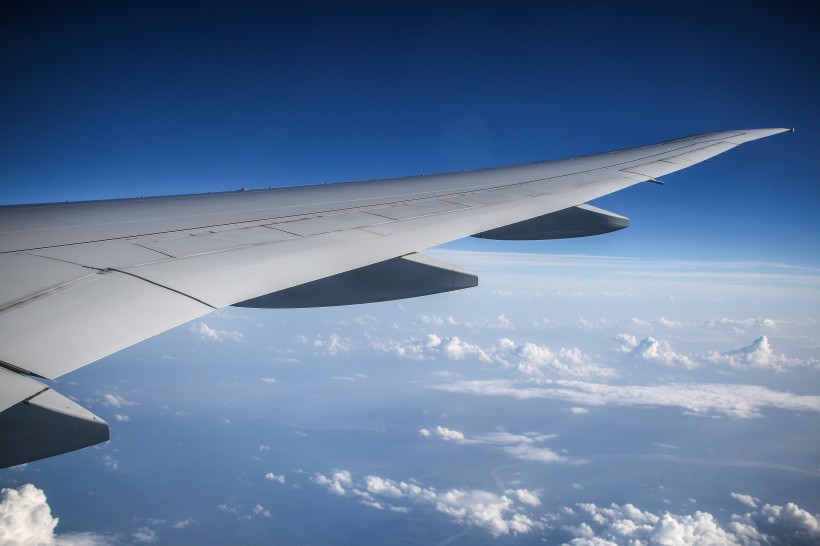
x=737 y=401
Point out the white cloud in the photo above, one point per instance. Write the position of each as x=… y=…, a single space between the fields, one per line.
x=745 y=323
x=122 y=418
x=652 y=350
x=336 y=483
x=448 y=434
x=748 y=500
x=273 y=477
x=626 y=524
x=207 y=333
x=455 y=349
x=269 y=380
x=738 y=401
x=111 y=462
x=793 y=519
x=758 y=355
x=578 y=411
x=26 y=520
x=498 y=514
x=333 y=345
x=115 y=401
x=182 y=524
x=145 y=535
x=527 y=497
x=259 y=510
x=534 y=360
x=669 y=323
x=412 y=349
x=518 y=446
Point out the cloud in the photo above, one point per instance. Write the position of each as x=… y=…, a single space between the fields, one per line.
x=748 y=500
x=669 y=323
x=25 y=519
x=745 y=323
x=182 y=524
x=498 y=514
x=334 y=345
x=518 y=446
x=206 y=333
x=111 y=462
x=455 y=349
x=144 y=535
x=758 y=355
x=448 y=434
x=529 y=359
x=535 y=359
x=651 y=350
x=121 y=418
x=626 y=524
x=738 y=401
x=115 y=401
x=273 y=477
x=790 y=520
x=259 y=510
x=336 y=483
x=269 y=380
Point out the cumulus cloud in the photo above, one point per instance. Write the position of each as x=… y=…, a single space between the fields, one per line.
x=274 y=478
x=590 y=524
x=626 y=524
x=144 y=535
x=336 y=483
x=447 y=434
x=738 y=401
x=789 y=520
x=455 y=349
x=116 y=401
x=206 y=333
x=269 y=380
x=333 y=345
x=535 y=360
x=498 y=514
x=758 y=355
x=529 y=359
x=651 y=350
x=259 y=510
x=748 y=500
x=25 y=519
x=121 y=418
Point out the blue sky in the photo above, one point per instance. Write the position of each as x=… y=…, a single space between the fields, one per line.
x=671 y=367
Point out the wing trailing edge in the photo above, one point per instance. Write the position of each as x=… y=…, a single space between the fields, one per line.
x=399 y=278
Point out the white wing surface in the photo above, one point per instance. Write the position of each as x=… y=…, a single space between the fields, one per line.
x=83 y=280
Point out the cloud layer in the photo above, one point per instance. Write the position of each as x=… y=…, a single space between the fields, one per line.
x=738 y=401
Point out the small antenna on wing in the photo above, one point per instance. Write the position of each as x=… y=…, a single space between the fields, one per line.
x=655 y=181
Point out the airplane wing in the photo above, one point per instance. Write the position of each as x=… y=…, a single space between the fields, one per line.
x=83 y=280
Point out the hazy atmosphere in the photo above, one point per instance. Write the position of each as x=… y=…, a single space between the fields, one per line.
x=657 y=385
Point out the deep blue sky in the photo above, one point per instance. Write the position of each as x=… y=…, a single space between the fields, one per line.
x=102 y=100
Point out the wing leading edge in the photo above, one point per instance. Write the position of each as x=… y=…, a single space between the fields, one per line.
x=83 y=280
